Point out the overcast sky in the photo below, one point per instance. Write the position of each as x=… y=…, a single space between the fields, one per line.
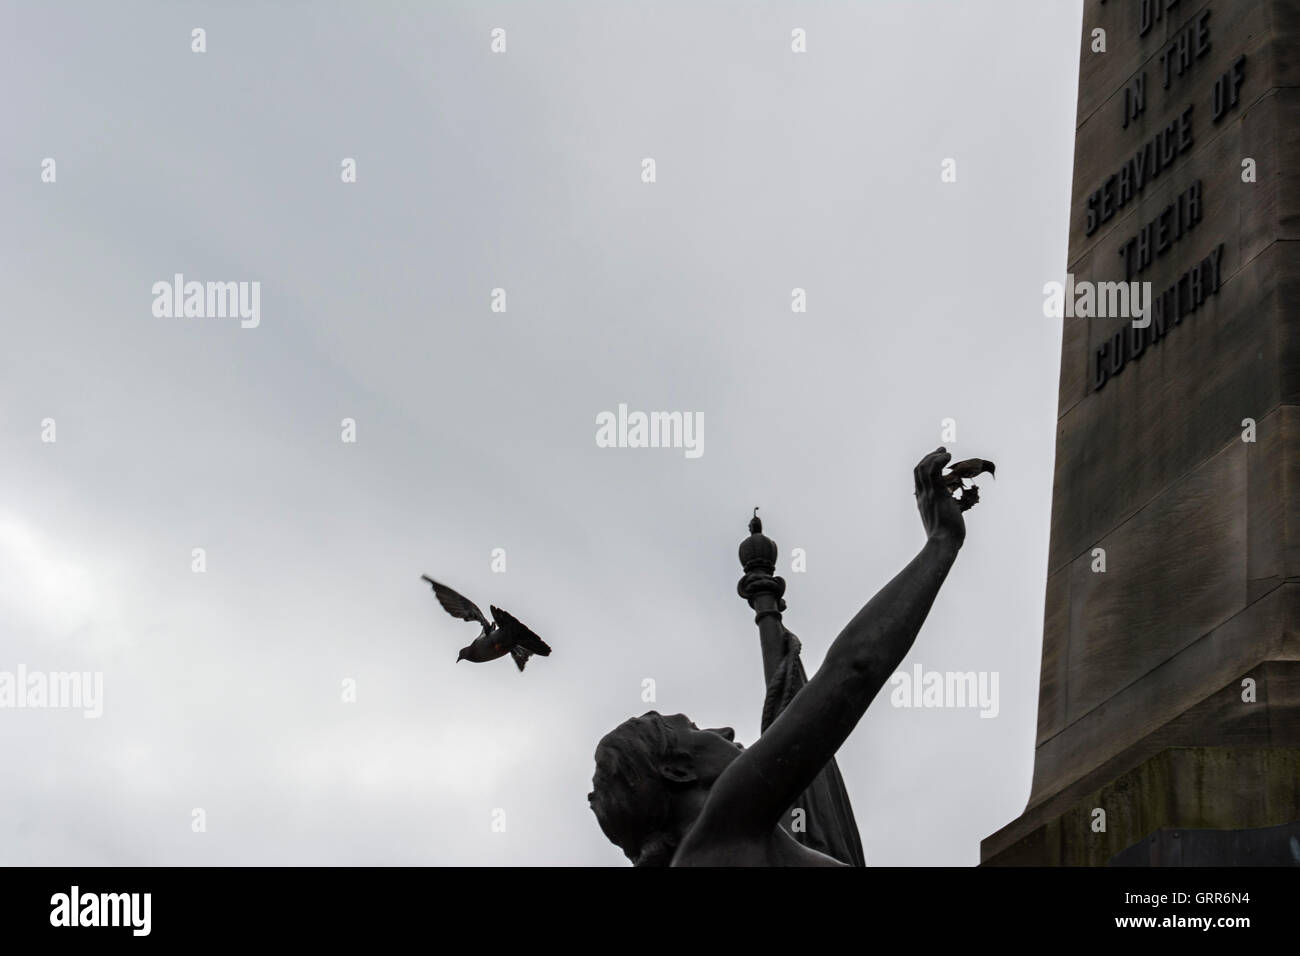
x=476 y=429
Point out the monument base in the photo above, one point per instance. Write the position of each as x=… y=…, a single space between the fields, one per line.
x=1263 y=846
x=1246 y=776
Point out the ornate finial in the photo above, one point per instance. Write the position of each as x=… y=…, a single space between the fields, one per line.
x=758 y=558
x=758 y=551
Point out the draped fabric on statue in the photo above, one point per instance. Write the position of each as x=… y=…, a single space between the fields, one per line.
x=828 y=817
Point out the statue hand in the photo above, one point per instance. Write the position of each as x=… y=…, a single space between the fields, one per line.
x=940 y=511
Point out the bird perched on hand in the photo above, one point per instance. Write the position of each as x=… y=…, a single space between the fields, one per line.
x=964 y=471
x=504 y=636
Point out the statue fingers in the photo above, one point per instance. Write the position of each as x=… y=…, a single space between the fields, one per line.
x=930 y=468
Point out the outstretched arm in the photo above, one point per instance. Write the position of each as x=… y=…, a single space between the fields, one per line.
x=762 y=782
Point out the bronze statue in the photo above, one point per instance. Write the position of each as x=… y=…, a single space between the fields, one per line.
x=669 y=793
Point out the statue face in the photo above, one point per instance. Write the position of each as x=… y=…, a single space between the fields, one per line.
x=711 y=751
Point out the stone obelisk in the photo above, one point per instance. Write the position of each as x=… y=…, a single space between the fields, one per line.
x=1169 y=700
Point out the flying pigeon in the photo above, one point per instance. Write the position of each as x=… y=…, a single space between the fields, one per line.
x=504 y=636
x=964 y=471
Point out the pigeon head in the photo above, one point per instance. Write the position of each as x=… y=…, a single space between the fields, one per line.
x=463 y=655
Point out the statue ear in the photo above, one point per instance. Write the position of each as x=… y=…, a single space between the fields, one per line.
x=678 y=770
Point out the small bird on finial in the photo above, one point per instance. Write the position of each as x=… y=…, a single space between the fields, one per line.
x=756 y=523
x=504 y=636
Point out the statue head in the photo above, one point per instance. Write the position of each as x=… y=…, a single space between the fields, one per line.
x=652 y=776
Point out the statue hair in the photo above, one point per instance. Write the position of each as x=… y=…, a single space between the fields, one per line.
x=629 y=794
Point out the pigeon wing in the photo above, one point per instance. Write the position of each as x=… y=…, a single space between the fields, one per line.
x=518 y=634
x=457 y=605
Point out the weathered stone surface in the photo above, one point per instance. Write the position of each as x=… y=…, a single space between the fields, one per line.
x=1101 y=145
x=1055 y=670
x=1201 y=529
x=1255 y=846
x=1267 y=630
x=1212 y=787
x=1057 y=830
x=1174 y=570
x=1273 y=502
x=1248 y=218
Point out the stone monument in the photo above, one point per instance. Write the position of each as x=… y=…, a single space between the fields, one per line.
x=1169 y=697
